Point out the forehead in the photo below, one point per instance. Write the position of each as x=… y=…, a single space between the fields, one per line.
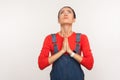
x=66 y=8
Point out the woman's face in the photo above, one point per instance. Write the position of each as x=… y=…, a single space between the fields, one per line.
x=66 y=16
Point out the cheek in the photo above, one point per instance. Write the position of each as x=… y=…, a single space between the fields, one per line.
x=59 y=20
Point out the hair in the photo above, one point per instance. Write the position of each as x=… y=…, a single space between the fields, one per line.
x=74 y=15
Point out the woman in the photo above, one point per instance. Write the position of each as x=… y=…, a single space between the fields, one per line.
x=66 y=47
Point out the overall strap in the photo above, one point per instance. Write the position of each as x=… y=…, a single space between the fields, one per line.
x=54 y=43
x=77 y=49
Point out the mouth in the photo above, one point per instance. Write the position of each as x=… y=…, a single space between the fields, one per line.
x=65 y=17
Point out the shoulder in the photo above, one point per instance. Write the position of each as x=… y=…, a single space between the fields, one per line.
x=84 y=38
x=49 y=36
x=82 y=35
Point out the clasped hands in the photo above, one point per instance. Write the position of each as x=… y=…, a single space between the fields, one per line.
x=65 y=46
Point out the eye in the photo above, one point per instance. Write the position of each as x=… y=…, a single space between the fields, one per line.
x=61 y=12
x=65 y=11
x=69 y=11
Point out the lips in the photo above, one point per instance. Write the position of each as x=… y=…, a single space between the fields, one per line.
x=65 y=17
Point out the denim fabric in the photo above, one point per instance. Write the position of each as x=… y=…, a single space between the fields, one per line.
x=66 y=67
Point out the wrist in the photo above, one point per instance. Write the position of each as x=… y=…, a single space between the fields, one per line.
x=69 y=51
x=62 y=51
x=72 y=54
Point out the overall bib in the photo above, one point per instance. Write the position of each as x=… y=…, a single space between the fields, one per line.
x=66 y=67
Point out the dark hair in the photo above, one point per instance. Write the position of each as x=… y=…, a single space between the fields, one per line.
x=74 y=15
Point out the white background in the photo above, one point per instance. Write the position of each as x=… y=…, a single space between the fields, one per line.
x=25 y=23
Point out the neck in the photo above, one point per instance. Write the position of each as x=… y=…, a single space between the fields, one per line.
x=66 y=30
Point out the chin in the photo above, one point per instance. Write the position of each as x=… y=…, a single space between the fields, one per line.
x=66 y=22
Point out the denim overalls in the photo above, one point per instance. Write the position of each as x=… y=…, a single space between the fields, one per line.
x=66 y=67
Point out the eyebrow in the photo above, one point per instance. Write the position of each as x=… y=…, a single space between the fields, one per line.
x=67 y=10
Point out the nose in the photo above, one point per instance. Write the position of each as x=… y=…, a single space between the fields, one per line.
x=66 y=13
